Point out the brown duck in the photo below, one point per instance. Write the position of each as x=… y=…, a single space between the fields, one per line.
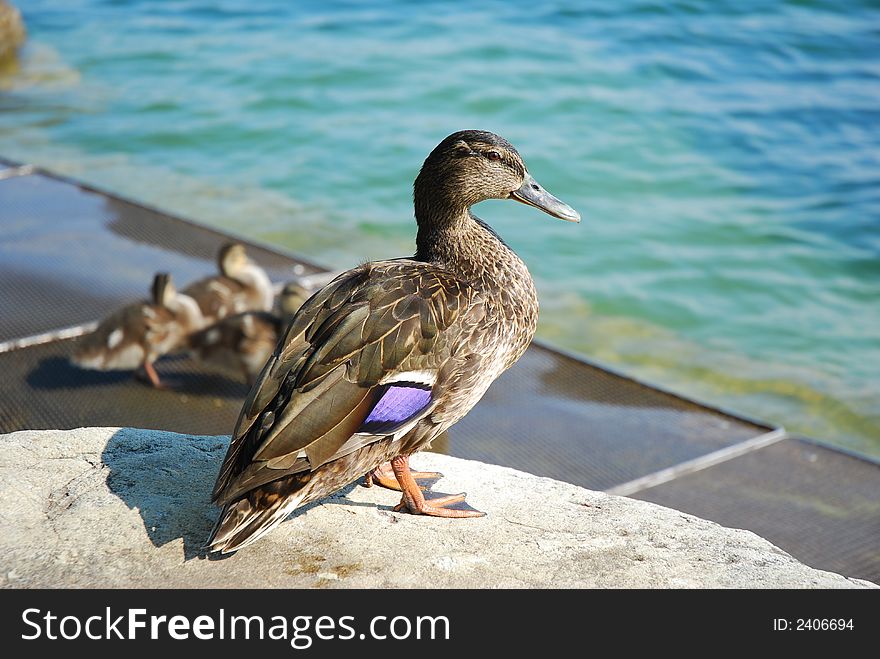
x=390 y=354
x=138 y=334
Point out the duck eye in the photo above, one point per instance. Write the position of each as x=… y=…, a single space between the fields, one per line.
x=493 y=155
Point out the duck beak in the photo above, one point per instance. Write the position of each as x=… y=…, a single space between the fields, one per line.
x=534 y=195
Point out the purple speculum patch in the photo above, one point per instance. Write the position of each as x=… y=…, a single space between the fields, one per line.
x=400 y=402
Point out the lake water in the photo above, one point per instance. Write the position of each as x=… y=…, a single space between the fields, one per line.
x=725 y=157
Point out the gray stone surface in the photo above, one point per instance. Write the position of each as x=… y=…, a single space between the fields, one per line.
x=108 y=507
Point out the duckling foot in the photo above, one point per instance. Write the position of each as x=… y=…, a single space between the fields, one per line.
x=151 y=374
x=414 y=501
x=384 y=475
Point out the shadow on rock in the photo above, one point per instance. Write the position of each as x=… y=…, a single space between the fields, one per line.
x=167 y=478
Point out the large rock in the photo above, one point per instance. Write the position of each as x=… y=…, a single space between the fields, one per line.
x=107 y=507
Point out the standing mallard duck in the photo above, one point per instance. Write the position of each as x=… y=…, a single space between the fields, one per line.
x=246 y=340
x=390 y=354
x=242 y=285
x=138 y=334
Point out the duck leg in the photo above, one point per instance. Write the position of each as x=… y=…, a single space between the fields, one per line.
x=384 y=475
x=151 y=374
x=414 y=501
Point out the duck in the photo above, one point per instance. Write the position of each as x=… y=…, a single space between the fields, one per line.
x=390 y=354
x=245 y=341
x=135 y=336
x=241 y=285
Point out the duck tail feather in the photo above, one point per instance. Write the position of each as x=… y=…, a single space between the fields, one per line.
x=247 y=519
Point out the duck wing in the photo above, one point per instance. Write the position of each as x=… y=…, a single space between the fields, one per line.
x=364 y=358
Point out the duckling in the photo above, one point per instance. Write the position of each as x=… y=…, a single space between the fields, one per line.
x=138 y=334
x=246 y=340
x=242 y=285
x=390 y=354
x=292 y=296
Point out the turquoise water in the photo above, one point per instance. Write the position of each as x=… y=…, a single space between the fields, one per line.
x=725 y=157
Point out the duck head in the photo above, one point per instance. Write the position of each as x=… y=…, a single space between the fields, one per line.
x=232 y=260
x=471 y=166
x=162 y=292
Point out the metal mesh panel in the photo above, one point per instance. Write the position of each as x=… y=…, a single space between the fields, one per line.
x=42 y=390
x=818 y=504
x=556 y=416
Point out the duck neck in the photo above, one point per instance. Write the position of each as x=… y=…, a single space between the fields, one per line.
x=447 y=229
x=253 y=276
x=460 y=242
x=451 y=243
x=451 y=237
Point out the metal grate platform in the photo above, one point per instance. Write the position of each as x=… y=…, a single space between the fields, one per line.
x=43 y=391
x=70 y=254
x=556 y=416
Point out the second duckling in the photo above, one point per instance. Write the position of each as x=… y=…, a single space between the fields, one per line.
x=245 y=341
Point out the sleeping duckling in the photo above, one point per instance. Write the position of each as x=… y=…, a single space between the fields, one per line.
x=137 y=335
x=242 y=285
x=246 y=340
